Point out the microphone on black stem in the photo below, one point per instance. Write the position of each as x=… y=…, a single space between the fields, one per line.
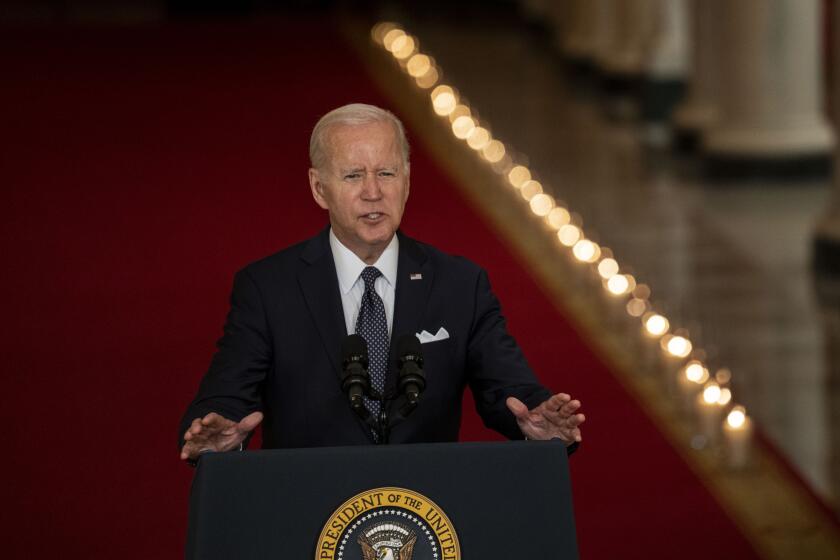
x=355 y=380
x=412 y=379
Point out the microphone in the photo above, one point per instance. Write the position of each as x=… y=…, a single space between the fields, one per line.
x=412 y=379
x=355 y=380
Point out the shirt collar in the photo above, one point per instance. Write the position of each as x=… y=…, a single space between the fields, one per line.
x=348 y=266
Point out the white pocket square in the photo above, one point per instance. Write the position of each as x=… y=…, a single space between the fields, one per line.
x=425 y=336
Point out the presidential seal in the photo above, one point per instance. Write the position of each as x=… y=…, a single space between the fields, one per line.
x=388 y=524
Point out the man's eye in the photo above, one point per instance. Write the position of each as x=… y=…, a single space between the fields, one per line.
x=351 y=176
x=387 y=174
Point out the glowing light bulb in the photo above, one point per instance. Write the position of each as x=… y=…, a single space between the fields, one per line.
x=443 y=100
x=558 y=217
x=444 y=104
x=519 y=175
x=679 y=346
x=494 y=151
x=462 y=126
x=530 y=189
x=608 y=268
x=569 y=235
x=542 y=204
x=711 y=393
x=460 y=110
x=636 y=307
x=642 y=291
x=478 y=138
x=441 y=90
x=403 y=46
x=428 y=79
x=584 y=250
x=695 y=372
x=380 y=29
x=725 y=396
x=723 y=376
x=656 y=324
x=418 y=65
x=618 y=285
x=737 y=417
x=400 y=41
x=390 y=37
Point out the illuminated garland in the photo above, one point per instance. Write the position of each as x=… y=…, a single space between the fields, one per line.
x=696 y=381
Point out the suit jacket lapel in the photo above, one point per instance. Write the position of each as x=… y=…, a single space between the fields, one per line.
x=319 y=285
x=410 y=298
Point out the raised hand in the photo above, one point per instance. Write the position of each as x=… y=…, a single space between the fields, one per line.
x=216 y=433
x=554 y=418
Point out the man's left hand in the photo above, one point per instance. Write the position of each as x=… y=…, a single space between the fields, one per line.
x=556 y=417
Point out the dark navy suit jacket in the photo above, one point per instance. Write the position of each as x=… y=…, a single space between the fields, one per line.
x=280 y=352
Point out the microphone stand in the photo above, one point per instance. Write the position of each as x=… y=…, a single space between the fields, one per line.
x=388 y=421
x=379 y=424
x=382 y=423
x=384 y=430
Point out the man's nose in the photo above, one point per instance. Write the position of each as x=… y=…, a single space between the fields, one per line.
x=370 y=187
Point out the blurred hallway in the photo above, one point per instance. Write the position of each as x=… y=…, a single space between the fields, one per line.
x=729 y=260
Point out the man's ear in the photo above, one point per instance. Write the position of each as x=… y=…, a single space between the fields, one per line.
x=318 y=188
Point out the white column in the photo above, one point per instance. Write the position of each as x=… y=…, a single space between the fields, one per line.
x=770 y=85
x=669 y=56
x=632 y=38
x=700 y=111
x=623 y=54
x=666 y=68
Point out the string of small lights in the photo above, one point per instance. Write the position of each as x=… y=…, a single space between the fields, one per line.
x=708 y=396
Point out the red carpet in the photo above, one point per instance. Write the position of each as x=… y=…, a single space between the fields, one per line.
x=140 y=168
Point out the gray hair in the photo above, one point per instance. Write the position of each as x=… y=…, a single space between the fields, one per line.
x=352 y=114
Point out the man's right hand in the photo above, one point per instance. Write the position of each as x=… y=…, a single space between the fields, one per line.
x=217 y=433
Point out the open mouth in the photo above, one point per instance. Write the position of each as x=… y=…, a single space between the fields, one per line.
x=373 y=216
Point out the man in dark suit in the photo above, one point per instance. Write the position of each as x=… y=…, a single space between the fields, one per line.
x=279 y=359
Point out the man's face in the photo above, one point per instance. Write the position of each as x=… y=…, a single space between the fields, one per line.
x=363 y=186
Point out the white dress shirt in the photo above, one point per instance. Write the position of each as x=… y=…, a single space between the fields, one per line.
x=349 y=268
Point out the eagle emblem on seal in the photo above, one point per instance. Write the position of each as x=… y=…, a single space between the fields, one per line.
x=388 y=541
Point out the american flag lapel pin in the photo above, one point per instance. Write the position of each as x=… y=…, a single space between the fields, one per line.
x=415 y=276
